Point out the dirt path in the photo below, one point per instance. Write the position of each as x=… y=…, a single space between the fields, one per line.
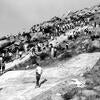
x=20 y=85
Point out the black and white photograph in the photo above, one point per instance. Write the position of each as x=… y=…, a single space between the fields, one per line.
x=49 y=49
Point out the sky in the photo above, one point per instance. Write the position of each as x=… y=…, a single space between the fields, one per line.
x=19 y=15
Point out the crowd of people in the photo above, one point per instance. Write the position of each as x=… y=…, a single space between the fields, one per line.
x=23 y=43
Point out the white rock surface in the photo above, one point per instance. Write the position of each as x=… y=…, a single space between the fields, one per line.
x=20 y=85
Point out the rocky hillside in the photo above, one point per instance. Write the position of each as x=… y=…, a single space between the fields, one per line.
x=75 y=79
x=75 y=33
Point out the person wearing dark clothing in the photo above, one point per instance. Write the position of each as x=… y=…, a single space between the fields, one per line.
x=66 y=46
x=37 y=79
x=39 y=48
x=3 y=68
x=2 y=65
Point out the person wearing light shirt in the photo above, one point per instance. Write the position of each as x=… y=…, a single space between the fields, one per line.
x=39 y=72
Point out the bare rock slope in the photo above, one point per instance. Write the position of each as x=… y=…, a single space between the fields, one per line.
x=20 y=85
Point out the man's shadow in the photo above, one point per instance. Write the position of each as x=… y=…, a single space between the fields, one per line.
x=42 y=82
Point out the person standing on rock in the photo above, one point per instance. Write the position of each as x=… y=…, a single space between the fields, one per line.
x=1 y=59
x=39 y=72
x=2 y=65
x=52 y=51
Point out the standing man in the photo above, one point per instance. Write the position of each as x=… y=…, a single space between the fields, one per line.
x=39 y=72
x=3 y=67
x=25 y=47
x=52 y=51
x=1 y=64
